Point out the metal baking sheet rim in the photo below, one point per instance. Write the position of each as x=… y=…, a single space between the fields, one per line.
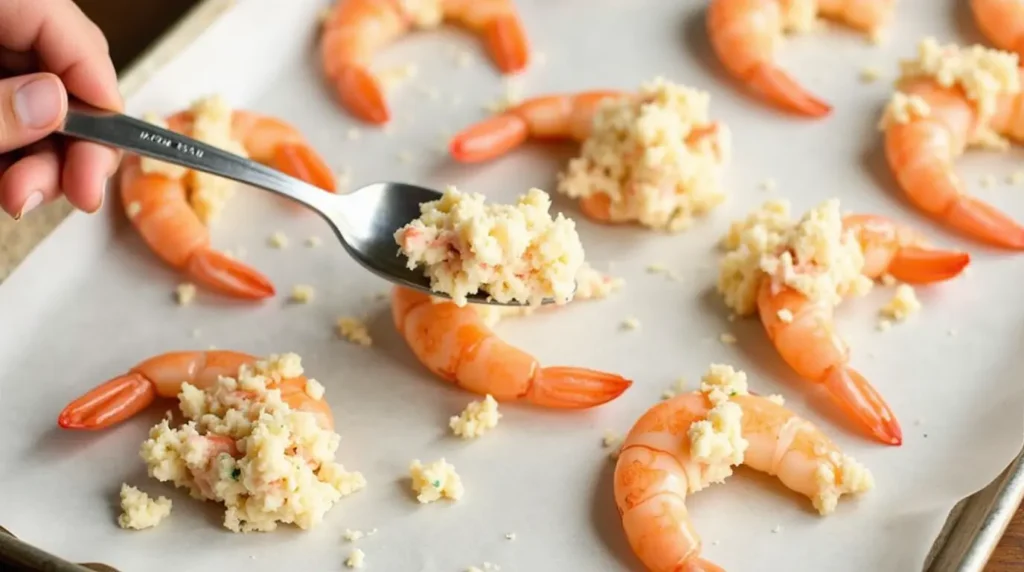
x=965 y=544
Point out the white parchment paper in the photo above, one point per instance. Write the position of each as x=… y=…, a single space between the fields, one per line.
x=92 y=301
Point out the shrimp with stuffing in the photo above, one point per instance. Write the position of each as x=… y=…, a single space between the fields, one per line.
x=356 y=29
x=658 y=195
x=1002 y=22
x=936 y=116
x=745 y=34
x=125 y=395
x=662 y=462
x=455 y=344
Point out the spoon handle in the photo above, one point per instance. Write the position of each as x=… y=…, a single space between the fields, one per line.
x=123 y=132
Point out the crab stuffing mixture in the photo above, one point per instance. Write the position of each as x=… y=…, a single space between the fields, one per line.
x=245 y=447
x=813 y=255
x=211 y=124
x=139 y=510
x=984 y=75
x=434 y=481
x=656 y=158
x=477 y=418
x=514 y=253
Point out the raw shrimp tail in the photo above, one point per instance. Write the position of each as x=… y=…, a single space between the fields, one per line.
x=361 y=93
x=861 y=401
x=302 y=162
x=575 y=387
x=984 y=222
x=109 y=404
x=505 y=38
x=217 y=271
x=489 y=139
x=915 y=265
x=781 y=89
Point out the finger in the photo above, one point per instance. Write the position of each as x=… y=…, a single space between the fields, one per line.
x=31 y=107
x=31 y=181
x=67 y=44
x=87 y=166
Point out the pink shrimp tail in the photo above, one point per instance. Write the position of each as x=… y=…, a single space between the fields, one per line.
x=109 y=404
x=860 y=401
x=575 y=387
x=925 y=266
x=489 y=139
x=217 y=271
x=362 y=94
x=784 y=91
x=984 y=222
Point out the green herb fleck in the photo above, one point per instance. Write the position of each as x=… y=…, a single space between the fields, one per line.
x=235 y=473
x=437 y=484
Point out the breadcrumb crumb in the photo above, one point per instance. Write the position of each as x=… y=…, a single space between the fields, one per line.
x=278 y=240
x=185 y=293
x=302 y=293
x=356 y=559
x=354 y=330
x=631 y=324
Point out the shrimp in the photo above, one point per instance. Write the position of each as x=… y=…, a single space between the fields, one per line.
x=655 y=472
x=158 y=206
x=921 y=151
x=902 y=252
x=123 y=396
x=454 y=343
x=356 y=29
x=1002 y=22
x=745 y=33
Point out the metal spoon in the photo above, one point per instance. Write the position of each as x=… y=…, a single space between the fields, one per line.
x=364 y=220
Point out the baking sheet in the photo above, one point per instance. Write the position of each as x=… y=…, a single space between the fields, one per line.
x=75 y=320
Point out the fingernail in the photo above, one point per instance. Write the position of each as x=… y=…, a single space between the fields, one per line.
x=33 y=201
x=38 y=103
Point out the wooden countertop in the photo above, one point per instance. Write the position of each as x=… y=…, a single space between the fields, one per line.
x=130 y=26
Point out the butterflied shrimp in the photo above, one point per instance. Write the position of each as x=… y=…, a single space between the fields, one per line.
x=455 y=344
x=745 y=34
x=356 y=29
x=901 y=251
x=803 y=333
x=658 y=469
x=123 y=396
x=1002 y=22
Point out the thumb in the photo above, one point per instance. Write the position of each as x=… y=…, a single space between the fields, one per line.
x=31 y=107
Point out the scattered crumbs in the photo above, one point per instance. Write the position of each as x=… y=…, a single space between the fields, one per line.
x=393 y=77
x=510 y=536
x=1017 y=178
x=302 y=293
x=678 y=387
x=888 y=279
x=511 y=96
x=870 y=74
x=185 y=293
x=196 y=333
x=463 y=58
x=769 y=185
x=435 y=481
x=278 y=240
x=631 y=324
x=884 y=325
x=405 y=157
x=903 y=304
x=140 y=511
x=477 y=418
x=313 y=241
x=988 y=181
x=785 y=315
x=353 y=133
x=727 y=338
x=776 y=399
x=610 y=439
x=133 y=209
x=656 y=268
x=354 y=330
x=212 y=347
x=777 y=529
x=315 y=389
x=352 y=535
x=356 y=559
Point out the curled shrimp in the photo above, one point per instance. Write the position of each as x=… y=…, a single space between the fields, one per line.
x=902 y=252
x=921 y=151
x=1002 y=22
x=158 y=205
x=568 y=117
x=123 y=396
x=455 y=343
x=655 y=472
x=745 y=33
x=356 y=29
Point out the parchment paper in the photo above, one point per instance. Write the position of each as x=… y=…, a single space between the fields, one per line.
x=92 y=301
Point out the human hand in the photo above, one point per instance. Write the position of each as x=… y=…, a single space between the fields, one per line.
x=49 y=48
